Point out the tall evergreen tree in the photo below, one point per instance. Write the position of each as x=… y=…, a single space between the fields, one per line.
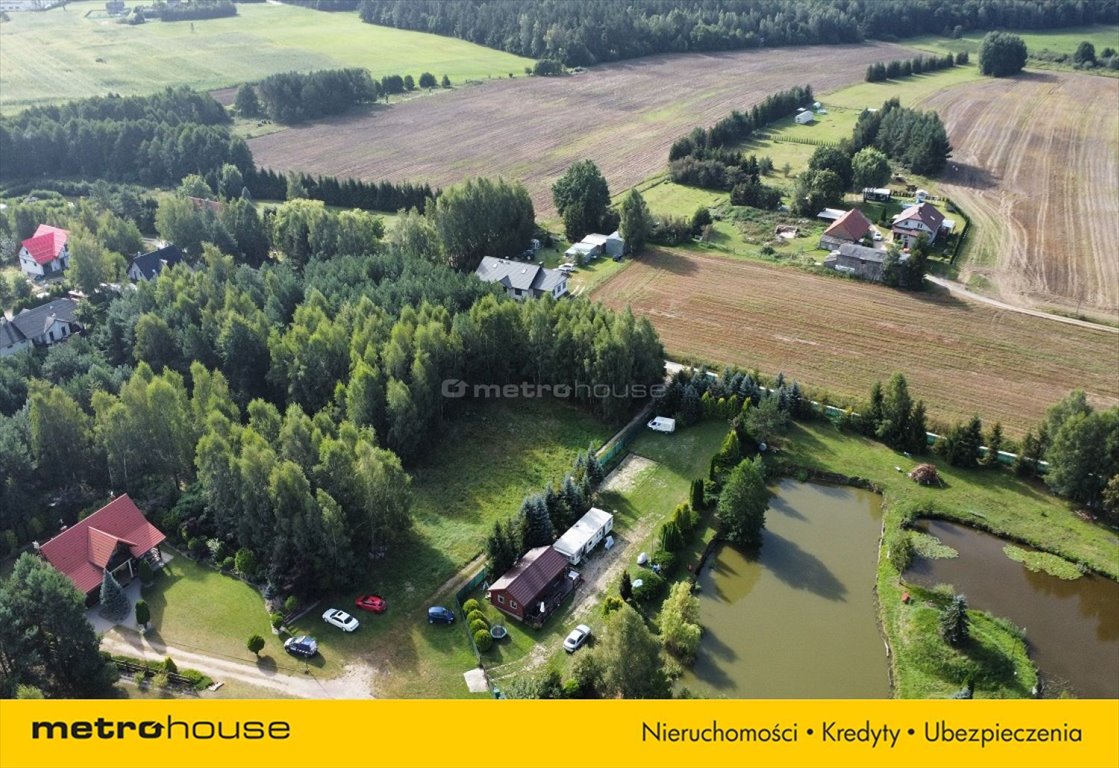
x=114 y=603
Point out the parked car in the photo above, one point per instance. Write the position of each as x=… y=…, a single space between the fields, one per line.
x=877 y=236
x=371 y=603
x=340 y=619
x=577 y=638
x=303 y=646
x=437 y=614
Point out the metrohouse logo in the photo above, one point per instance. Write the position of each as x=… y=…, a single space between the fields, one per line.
x=202 y=730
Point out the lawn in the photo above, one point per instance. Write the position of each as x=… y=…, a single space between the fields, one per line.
x=489 y=457
x=996 y=660
x=79 y=52
x=1057 y=40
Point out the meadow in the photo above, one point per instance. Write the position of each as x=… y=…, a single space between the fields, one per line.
x=80 y=52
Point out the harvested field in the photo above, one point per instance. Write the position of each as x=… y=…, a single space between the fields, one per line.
x=1035 y=165
x=623 y=116
x=840 y=336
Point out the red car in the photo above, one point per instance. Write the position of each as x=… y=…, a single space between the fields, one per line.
x=373 y=603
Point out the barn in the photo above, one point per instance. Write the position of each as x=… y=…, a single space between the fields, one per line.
x=805 y=117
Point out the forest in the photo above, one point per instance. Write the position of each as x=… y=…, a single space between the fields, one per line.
x=581 y=34
x=275 y=409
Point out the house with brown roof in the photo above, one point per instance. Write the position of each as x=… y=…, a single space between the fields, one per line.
x=851 y=227
x=44 y=253
x=916 y=221
x=533 y=588
x=113 y=539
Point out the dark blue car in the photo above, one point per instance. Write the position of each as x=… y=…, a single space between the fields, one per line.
x=437 y=614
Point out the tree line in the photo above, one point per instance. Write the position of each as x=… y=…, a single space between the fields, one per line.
x=581 y=34
x=914 y=138
x=266 y=184
x=892 y=70
x=194 y=10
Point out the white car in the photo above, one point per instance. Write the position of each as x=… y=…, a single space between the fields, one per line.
x=575 y=640
x=340 y=619
x=877 y=236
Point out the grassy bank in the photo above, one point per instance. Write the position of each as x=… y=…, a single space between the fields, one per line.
x=996 y=659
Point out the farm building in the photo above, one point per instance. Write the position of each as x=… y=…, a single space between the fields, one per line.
x=147 y=266
x=533 y=588
x=522 y=280
x=45 y=253
x=585 y=535
x=805 y=117
x=851 y=227
x=831 y=214
x=859 y=261
x=593 y=245
x=877 y=195
x=113 y=539
x=917 y=220
x=40 y=326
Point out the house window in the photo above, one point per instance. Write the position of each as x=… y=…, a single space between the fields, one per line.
x=51 y=335
x=501 y=599
x=65 y=331
x=513 y=604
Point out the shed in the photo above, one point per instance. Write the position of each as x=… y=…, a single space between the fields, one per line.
x=805 y=117
x=584 y=536
x=851 y=227
x=877 y=194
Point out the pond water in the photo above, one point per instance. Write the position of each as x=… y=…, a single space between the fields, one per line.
x=798 y=619
x=1072 y=626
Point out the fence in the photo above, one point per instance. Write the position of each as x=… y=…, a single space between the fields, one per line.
x=618 y=444
x=963 y=231
x=804 y=140
x=470 y=586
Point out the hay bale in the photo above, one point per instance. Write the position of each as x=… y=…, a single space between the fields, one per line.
x=926 y=474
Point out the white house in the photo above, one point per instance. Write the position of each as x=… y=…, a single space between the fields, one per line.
x=805 y=117
x=44 y=253
x=521 y=280
x=915 y=221
x=42 y=326
x=594 y=245
x=585 y=535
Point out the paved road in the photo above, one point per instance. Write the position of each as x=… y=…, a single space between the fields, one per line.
x=956 y=289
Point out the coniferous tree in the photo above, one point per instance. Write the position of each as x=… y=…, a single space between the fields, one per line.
x=954 y=624
x=114 y=603
x=994 y=445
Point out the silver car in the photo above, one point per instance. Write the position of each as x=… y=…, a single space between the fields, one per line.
x=577 y=638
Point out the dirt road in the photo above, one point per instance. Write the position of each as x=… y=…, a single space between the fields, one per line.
x=354 y=683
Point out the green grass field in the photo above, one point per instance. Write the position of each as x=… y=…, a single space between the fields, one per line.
x=79 y=52
x=1058 y=40
x=486 y=461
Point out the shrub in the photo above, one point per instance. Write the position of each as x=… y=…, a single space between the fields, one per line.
x=8 y=543
x=572 y=689
x=198 y=549
x=228 y=564
x=482 y=640
x=146 y=574
x=161 y=680
x=611 y=604
x=143 y=613
x=255 y=644
x=245 y=562
x=470 y=606
x=651 y=589
x=665 y=560
x=477 y=625
x=291 y=605
x=169 y=665
x=476 y=615
x=277 y=620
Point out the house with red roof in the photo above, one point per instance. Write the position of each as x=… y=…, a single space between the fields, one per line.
x=44 y=253
x=113 y=539
x=534 y=587
x=851 y=227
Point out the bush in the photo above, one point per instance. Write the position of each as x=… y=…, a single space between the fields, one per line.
x=651 y=589
x=161 y=680
x=146 y=574
x=665 y=560
x=169 y=665
x=255 y=644
x=245 y=562
x=198 y=549
x=291 y=605
x=478 y=625
x=482 y=640
x=611 y=604
x=477 y=615
x=470 y=606
x=228 y=564
x=277 y=620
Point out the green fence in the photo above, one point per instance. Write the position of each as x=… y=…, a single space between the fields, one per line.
x=470 y=586
x=617 y=446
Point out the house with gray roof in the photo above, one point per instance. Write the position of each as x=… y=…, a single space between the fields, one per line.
x=860 y=261
x=522 y=280
x=147 y=266
x=41 y=326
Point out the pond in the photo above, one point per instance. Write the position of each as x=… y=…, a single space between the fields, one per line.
x=1072 y=626
x=797 y=619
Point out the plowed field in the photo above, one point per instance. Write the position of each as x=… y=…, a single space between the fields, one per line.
x=841 y=336
x=1036 y=165
x=623 y=116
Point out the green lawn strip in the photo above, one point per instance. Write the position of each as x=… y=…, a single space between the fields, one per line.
x=488 y=458
x=78 y=56
x=1062 y=40
x=1043 y=562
